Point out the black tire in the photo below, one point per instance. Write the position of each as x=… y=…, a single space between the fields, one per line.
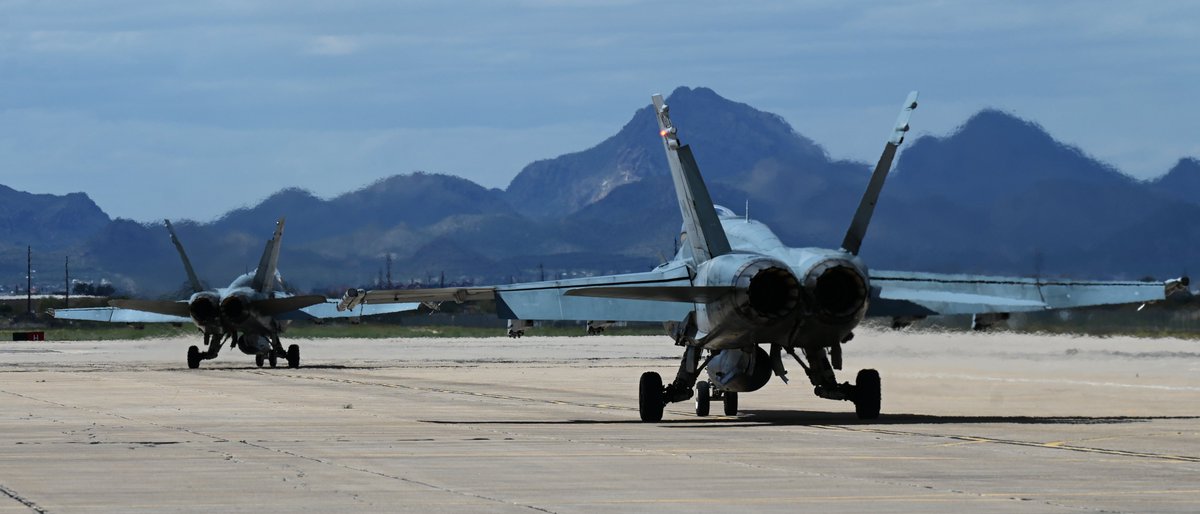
x=193 y=357
x=703 y=398
x=731 y=403
x=259 y=360
x=867 y=394
x=651 y=399
x=273 y=359
x=293 y=356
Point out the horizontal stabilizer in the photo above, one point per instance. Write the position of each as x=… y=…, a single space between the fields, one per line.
x=276 y=306
x=115 y=315
x=355 y=297
x=168 y=307
x=329 y=310
x=904 y=293
x=688 y=294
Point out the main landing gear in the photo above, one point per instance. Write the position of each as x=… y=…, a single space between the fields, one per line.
x=269 y=355
x=653 y=396
x=517 y=327
x=213 y=341
x=865 y=393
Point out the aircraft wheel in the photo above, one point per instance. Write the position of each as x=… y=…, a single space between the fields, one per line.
x=272 y=358
x=867 y=394
x=731 y=403
x=259 y=359
x=193 y=357
x=651 y=400
x=703 y=398
x=293 y=356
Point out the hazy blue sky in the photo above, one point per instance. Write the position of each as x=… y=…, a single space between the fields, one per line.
x=187 y=109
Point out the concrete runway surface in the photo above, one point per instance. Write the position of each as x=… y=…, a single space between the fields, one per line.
x=972 y=423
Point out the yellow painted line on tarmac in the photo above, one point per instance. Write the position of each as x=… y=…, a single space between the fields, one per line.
x=968 y=440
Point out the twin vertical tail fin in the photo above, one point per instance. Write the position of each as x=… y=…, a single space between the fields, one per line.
x=705 y=236
x=862 y=217
x=264 y=276
x=187 y=263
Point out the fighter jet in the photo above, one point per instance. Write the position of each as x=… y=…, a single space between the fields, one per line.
x=734 y=287
x=250 y=313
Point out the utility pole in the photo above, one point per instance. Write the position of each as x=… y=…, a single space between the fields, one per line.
x=541 y=272
x=443 y=281
x=389 y=270
x=67 y=270
x=29 y=279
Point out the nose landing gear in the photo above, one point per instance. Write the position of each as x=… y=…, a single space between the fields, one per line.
x=706 y=393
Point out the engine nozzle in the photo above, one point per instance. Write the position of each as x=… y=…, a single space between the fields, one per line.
x=769 y=291
x=204 y=309
x=235 y=308
x=838 y=290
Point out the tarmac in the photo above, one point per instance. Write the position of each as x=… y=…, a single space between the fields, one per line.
x=992 y=422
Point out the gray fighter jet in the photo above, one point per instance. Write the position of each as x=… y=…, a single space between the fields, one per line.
x=734 y=288
x=251 y=312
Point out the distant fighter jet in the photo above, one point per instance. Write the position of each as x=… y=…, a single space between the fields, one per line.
x=250 y=312
x=734 y=286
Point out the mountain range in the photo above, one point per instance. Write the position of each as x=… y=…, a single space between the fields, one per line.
x=998 y=195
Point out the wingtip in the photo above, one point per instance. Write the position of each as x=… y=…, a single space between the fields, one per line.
x=1176 y=285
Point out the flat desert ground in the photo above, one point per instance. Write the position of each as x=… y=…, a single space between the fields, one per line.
x=991 y=422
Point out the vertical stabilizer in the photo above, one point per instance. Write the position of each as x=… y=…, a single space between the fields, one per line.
x=862 y=217
x=705 y=235
x=187 y=263
x=264 y=276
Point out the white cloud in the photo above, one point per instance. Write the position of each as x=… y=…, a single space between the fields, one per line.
x=234 y=98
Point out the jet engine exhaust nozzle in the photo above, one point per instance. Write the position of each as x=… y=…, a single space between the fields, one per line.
x=235 y=309
x=839 y=290
x=204 y=309
x=773 y=292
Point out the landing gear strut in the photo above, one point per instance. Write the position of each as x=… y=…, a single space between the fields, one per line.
x=865 y=393
x=653 y=397
x=213 y=341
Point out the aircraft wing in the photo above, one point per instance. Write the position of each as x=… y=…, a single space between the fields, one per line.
x=116 y=315
x=329 y=309
x=556 y=299
x=902 y=293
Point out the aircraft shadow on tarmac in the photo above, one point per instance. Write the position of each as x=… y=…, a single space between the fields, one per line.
x=280 y=368
x=755 y=418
